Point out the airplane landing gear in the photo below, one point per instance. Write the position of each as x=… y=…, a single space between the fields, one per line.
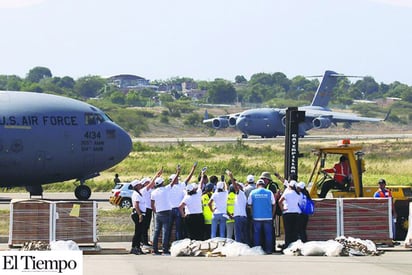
x=82 y=192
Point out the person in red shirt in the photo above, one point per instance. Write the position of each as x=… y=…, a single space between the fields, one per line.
x=340 y=179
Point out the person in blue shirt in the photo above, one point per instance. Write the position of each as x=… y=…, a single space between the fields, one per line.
x=263 y=205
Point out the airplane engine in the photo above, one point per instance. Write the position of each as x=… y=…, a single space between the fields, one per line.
x=219 y=123
x=232 y=121
x=321 y=122
x=283 y=120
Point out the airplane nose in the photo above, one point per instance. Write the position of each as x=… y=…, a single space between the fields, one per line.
x=124 y=143
x=240 y=123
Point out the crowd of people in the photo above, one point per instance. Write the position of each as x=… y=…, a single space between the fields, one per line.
x=214 y=207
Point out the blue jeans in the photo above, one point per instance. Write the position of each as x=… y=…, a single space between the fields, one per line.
x=241 y=230
x=162 y=222
x=218 y=219
x=266 y=227
x=177 y=220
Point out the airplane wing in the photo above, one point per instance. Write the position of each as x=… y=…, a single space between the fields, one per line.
x=321 y=118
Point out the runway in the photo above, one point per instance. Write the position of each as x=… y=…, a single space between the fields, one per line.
x=169 y=140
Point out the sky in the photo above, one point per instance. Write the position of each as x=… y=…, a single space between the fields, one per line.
x=208 y=39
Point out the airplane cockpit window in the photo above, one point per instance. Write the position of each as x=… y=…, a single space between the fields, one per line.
x=107 y=117
x=93 y=119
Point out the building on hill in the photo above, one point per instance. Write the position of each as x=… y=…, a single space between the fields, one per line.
x=127 y=82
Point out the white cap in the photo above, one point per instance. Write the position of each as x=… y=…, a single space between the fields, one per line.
x=292 y=183
x=135 y=182
x=220 y=185
x=250 y=178
x=260 y=181
x=159 y=181
x=191 y=187
x=301 y=185
x=144 y=180
x=172 y=176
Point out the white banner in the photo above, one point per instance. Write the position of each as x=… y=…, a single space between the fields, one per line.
x=41 y=262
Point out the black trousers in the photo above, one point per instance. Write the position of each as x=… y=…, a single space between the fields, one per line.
x=138 y=229
x=292 y=224
x=146 y=225
x=194 y=225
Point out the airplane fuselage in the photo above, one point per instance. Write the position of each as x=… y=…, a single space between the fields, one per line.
x=46 y=138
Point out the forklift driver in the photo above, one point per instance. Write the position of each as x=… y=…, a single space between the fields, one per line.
x=341 y=178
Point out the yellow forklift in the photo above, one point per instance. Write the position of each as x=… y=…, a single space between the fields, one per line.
x=401 y=195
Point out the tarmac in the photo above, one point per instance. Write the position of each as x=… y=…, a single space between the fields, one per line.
x=111 y=256
x=114 y=258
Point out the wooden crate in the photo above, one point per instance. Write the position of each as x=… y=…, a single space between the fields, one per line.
x=30 y=220
x=364 y=218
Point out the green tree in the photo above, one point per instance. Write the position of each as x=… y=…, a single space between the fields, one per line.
x=89 y=86
x=38 y=73
x=66 y=82
x=118 y=98
x=221 y=91
x=368 y=88
x=240 y=79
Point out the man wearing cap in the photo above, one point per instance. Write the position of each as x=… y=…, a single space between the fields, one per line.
x=382 y=192
x=162 y=210
x=176 y=194
x=262 y=203
x=272 y=186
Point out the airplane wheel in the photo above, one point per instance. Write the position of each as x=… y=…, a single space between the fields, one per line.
x=82 y=192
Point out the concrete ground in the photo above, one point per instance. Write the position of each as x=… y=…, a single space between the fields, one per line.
x=113 y=258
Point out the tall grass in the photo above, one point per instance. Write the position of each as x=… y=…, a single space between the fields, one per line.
x=389 y=159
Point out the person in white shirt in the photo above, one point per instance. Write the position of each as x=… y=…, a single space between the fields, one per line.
x=162 y=210
x=191 y=209
x=241 y=222
x=147 y=219
x=176 y=194
x=289 y=203
x=218 y=205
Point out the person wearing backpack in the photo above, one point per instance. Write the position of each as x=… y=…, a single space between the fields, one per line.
x=304 y=216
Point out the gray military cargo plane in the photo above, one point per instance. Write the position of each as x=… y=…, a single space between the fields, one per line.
x=270 y=122
x=48 y=138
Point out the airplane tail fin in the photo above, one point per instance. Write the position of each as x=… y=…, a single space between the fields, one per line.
x=324 y=91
